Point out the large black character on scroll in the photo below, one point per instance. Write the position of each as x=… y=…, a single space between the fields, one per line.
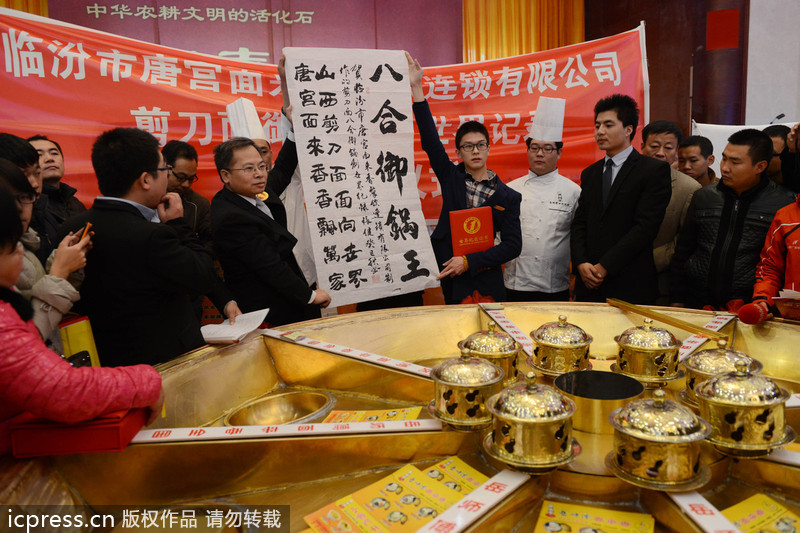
x=391 y=167
x=387 y=116
x=413 y=267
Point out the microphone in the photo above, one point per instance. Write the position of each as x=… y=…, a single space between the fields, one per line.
x=777 y=118
x=753 y=314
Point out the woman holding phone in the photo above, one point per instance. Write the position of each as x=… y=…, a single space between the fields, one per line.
x=49 y=291
x=34 y=379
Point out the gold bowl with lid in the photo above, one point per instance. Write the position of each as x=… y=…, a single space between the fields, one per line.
x=560 y=347
x=707 y=363
x=496 y=346
x=461 y=386
x=747 y=412
x=532 y=428
x=648 y=353
x=657 y=445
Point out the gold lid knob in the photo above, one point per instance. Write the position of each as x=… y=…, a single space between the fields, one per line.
x=659 y=399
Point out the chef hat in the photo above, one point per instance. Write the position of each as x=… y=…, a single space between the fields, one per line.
x=244 y=121
x=548 y=122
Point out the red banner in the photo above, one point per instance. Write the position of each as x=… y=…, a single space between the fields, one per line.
x=72 y=83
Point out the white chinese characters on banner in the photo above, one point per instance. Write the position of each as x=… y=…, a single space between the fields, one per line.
x=354 y=129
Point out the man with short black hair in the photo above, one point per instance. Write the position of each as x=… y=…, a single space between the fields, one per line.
x=695 y=157
x=24 y=155
x=182 y=157
x=466 y=185
x=726 y=226
x=621 y=206
x=250 y=235
x=777 y=133
x=145 y=262
x=660 y=140
x=61 y=200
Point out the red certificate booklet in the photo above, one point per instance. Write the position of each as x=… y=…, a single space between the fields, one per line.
x=471 y=230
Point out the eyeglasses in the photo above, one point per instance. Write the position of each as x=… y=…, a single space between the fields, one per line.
x=184 y=179
x=27 y=197
x=546 y=149
x=166 y=169
x=481 y=146
x=250 y=170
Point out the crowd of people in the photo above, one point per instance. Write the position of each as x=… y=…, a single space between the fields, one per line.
x=656 y=226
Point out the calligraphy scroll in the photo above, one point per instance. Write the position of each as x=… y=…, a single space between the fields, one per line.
x=355 y=142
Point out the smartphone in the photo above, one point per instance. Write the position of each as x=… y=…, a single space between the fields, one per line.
x=86 y=230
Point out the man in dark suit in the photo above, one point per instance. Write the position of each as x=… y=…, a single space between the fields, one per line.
x=252 y=243
x=145 y=261
x=623 y=200
x=466 y=185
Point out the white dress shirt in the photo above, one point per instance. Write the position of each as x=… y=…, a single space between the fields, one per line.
x=548 y=205
x=618 y=161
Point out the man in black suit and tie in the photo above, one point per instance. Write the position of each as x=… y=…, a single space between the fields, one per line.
x=145 y=261
x=252 y=243
x=623 y=200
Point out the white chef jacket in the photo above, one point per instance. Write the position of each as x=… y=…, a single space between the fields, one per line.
x=548 y=205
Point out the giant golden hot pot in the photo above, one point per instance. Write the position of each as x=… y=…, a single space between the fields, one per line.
x=657 y=445
x=309 y=471
x=648 y=353
x=707 y=363
x=462 y=386
x=560 y=347
x=746 y=412
x=498 y=347
x=532 y=429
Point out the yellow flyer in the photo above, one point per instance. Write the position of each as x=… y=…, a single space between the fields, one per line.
x=763 y=514
x=457 y=475
x=559 y=516
x=406 y=413
x=332 y=519
x=402 y=502
x=439 y=495
x=399 y=503
x=364 y=521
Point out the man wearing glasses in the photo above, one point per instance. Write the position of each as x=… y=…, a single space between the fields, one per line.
x=549 y=201
x=466 y=185
x=145 y=263
x=182 y=157
x=251 y=239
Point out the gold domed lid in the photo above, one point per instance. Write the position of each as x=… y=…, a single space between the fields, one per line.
x=741 y=387
x=467 y=371
x=720 y=359
x=659 y=419
x=490 y=343
x=648 y=337
x=561 y=334
x=530 y=402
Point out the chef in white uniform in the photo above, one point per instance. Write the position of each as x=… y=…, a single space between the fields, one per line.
x=549 y=201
